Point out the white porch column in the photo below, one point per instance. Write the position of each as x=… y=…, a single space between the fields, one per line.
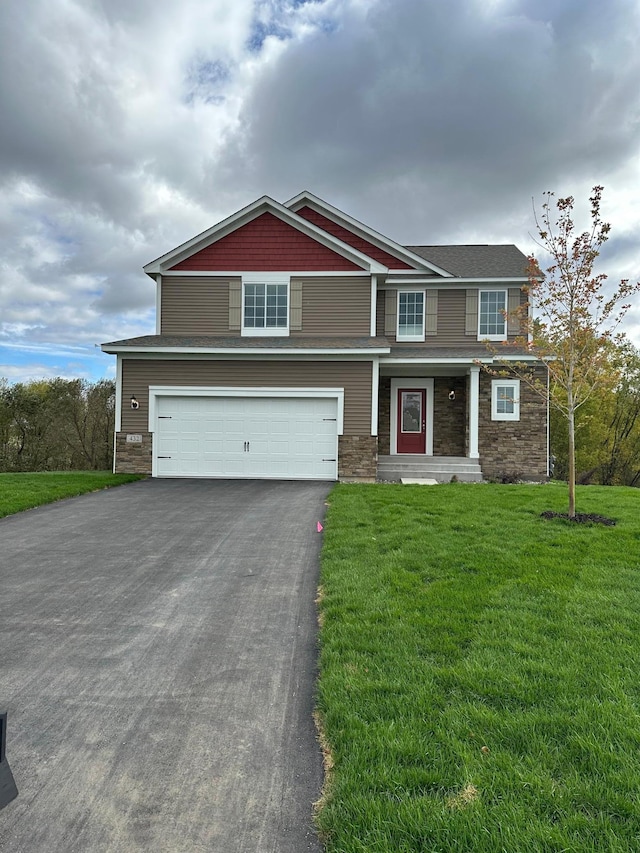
x=474 y=405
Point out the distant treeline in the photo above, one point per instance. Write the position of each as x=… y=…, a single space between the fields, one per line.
x=68 y=424
x=56 y=425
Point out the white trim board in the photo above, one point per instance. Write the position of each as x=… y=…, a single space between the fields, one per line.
x=409 y=382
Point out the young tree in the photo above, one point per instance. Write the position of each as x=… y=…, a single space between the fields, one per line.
x=577 y=314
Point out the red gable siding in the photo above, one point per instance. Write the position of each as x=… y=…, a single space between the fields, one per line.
x=266 y=244
x=352 y=240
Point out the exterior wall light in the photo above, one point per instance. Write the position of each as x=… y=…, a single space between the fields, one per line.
x=452 y=395
x=134 y=403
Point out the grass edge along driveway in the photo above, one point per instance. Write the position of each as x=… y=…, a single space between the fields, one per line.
x=479 y=685
x=23 y=491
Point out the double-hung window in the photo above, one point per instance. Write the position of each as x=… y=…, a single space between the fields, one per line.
x=265 y=307
x=410 y=315
x=492 y=321
x=505 y=399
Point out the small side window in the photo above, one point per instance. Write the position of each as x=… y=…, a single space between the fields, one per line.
x=505 y=400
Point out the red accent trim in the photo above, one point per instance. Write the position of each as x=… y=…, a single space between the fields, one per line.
x=266 y=244
x=352 y=239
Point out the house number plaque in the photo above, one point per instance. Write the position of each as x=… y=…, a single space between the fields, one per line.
x=134 y=438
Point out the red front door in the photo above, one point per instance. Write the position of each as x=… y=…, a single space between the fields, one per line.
x=412 y=420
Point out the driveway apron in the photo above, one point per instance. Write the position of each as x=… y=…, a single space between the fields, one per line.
x=157 y=659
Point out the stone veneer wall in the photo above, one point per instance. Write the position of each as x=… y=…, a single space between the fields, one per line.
x=133 y=458
x=449 y=416
x=384 y=416
x=514 y=448
x=357 y=457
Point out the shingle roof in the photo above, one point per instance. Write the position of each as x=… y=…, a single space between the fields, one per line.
x=481 y=261
x=469 y=353
x=258 y=343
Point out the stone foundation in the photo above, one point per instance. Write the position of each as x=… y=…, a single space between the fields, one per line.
x=133 y=457
x=357 y=457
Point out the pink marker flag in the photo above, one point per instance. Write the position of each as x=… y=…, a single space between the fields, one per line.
x=320 y=528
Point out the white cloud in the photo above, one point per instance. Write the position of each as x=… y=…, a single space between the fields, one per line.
x=134 y=125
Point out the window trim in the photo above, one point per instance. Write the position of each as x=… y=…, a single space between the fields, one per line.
x=505 y=292
x=266 y=331
x=399 y=336
x=505 y=416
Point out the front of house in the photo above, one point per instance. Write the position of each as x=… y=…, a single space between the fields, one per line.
x=293 y=342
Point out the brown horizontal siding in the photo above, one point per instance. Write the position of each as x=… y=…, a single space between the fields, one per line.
x=336 y=306
x=195 y=305
x=354 y=377
x=451 y=318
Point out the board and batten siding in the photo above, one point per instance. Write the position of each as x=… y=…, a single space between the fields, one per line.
x=354 y=376
x=195 y=305
x=335 y=306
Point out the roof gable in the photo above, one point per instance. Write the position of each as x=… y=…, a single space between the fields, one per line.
x=268 y=237
x=267 y=244
x=352 y=239
x=360 y=236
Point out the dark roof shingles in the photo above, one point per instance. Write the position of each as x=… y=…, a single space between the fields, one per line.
x=481 y=261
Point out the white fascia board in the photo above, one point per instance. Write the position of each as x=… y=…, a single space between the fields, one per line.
x=254 y=352
x=489 y=359
x=429 y=282
x=435 y=360
x=385 y=243
x=247 y=214
x=242 y=273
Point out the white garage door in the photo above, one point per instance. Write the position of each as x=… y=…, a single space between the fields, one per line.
x=274 y=437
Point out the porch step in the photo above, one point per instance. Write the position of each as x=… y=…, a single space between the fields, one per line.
x=440 y=468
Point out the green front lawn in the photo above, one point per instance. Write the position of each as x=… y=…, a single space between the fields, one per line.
x=480 y=670
x=24 y=491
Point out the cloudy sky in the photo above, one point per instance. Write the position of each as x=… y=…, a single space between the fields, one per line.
x=128 y=126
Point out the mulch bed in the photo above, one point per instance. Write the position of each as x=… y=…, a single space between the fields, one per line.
x=580 y=517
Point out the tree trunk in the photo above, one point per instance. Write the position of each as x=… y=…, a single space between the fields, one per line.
x=572 y=464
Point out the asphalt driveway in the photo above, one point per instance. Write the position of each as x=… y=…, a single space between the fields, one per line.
x=157 y=659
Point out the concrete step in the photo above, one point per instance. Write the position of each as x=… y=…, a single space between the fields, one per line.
x=440 y=468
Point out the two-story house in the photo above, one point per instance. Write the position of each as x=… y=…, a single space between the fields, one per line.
x=294 y=342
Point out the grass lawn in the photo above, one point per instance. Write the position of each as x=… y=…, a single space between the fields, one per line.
x=24 y=491
x=480 y=670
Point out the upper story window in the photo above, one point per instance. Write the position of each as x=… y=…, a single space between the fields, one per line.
x=265 y=308
x=410 y=315
x=505 y=400
x=492 y=322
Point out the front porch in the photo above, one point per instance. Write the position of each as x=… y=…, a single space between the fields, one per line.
x=428 y=424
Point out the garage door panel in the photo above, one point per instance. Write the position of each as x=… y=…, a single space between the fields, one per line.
x=216 y=436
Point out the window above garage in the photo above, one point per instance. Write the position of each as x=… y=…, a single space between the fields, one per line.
x=265 y=305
